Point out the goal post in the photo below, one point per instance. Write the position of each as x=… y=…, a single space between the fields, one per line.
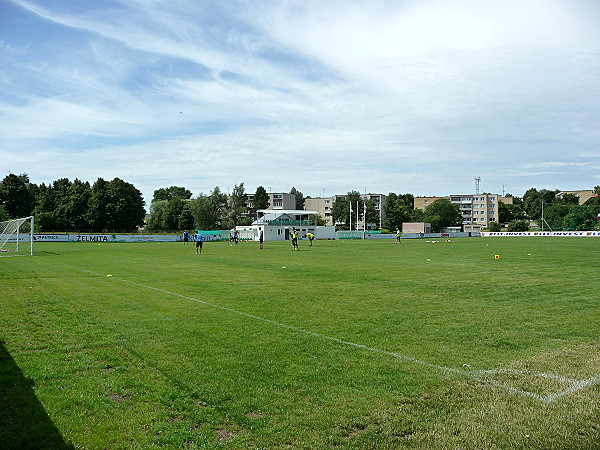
x=16 y=236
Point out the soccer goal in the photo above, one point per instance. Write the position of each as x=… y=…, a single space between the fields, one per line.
x=16 y=237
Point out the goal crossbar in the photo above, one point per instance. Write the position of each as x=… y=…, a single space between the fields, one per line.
x=15 y=232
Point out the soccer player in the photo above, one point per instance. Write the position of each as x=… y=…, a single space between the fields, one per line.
x=186 y=236
x=310 y=238
x=294 y=236
x=398 y=234
x=260 y=239
x=198 y=243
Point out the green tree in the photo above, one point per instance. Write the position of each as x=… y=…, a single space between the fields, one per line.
x=581 y=218
x=186 y=219
x=209 y=211
x=15 y=196
x=316 y=217
x=519 y=225
x=77 y=206
x=372 y=214
x=170 y=210
x=261 y=198
x=554 y=215
x=299 y=198
x=172 y=214
x=417 y=215
x=44 y=199
x=126 y=206
x=236 y=206
x=98 y=209
x=534 y=199
x=442 y=213
x=340 y=210
x=593 y=201
x=508 y=213
x=60 y=195
x=170 y=193
x=494 y=227
x=398 y=210
x=156 y=220
x=568 y=199
x=45 y=209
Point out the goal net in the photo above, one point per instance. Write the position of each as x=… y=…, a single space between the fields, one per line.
x=16 y=237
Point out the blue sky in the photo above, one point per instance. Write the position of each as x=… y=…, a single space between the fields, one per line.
x=383 y=96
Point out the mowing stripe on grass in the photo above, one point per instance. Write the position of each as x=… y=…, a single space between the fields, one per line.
x=479 y=375
x=54 y=349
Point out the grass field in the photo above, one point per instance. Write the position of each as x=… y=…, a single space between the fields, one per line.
x=348 y=344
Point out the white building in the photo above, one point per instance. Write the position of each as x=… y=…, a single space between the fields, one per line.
x=277 y=225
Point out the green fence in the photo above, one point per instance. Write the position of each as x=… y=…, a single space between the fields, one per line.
x=349 y=235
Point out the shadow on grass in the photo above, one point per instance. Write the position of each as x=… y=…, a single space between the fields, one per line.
x=47 y=252
x=24 y=423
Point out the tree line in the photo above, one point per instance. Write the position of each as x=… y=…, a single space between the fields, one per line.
x=117 y=206
x=173 y=208
x=64 y=205
x=562 y=213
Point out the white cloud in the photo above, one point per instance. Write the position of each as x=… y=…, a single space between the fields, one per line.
x=410 y=96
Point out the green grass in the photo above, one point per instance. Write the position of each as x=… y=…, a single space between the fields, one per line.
x=230 y=350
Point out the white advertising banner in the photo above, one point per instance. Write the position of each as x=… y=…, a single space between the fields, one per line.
x=541 y=233
x=102 y=238
x=50 y=238
x=123 y=238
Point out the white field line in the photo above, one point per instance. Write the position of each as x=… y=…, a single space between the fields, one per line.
x=480 y=375
x=576 y=386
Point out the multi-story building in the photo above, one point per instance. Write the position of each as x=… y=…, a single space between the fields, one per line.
x=424 y=202
x=323 y=207
x=583 y=196
x=277 y=201
x=478 y=209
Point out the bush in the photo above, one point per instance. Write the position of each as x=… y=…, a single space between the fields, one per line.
x=494 y=226
x=519 y=225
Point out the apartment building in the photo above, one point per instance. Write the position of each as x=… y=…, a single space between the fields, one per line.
x=583 y=196
x=322 y=205
x=277 y=201
x=478 y=209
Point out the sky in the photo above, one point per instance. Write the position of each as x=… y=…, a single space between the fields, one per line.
x=378 y=96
